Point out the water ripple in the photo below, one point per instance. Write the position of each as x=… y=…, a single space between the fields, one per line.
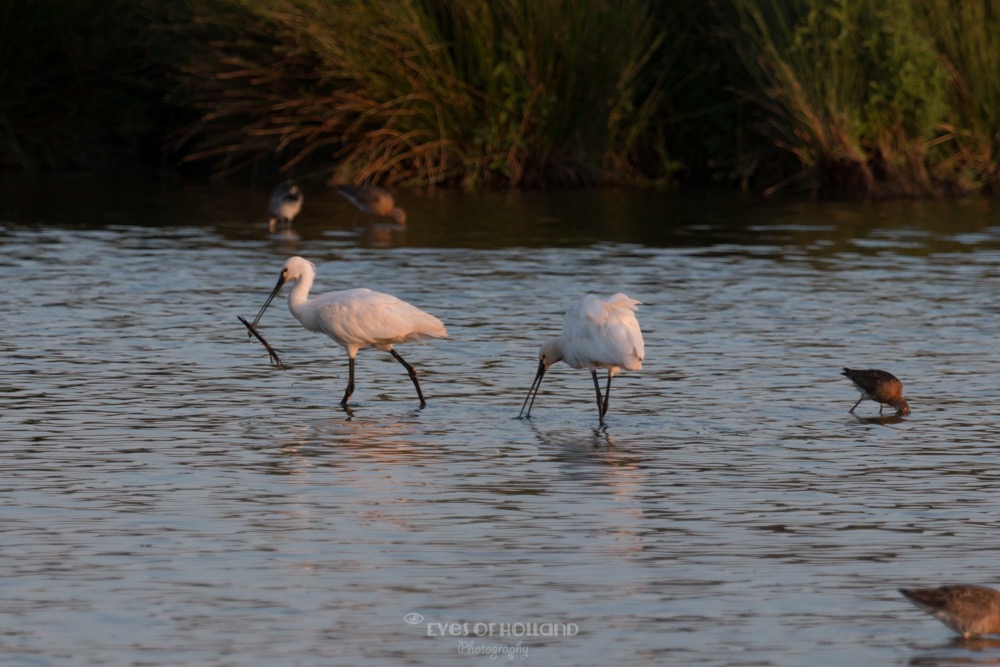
x=171 y=497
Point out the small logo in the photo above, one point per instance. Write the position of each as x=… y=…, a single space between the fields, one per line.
x=413 y=618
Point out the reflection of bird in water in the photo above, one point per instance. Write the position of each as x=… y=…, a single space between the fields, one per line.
x=373 y=200
x=355 y=318
x=968 y=610
x=878 y=386
x=888 y=420
x=596 y=333
x=286 y=202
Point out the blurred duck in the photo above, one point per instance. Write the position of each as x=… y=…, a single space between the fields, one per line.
x=286 y=202
x=373 y=200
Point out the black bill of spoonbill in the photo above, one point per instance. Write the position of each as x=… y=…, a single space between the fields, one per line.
x=596 y=333
x=286 y=203
x=373 y=200
x=355 y=318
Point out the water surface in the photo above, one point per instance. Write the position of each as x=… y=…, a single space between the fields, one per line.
x=169 y=497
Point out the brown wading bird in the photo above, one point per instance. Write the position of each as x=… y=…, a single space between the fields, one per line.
x=373 y=200
x=286 y=202
x=968 y=610
x=878 y=386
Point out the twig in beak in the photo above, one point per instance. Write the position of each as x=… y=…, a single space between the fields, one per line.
x=270 y=350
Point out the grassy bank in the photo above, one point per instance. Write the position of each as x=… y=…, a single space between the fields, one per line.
x=860 y=98
x=420 y=91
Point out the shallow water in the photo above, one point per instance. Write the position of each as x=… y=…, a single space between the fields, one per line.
x=169 y=497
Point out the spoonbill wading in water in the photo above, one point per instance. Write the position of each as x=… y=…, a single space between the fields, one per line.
x=286 y=202
x=355 y=318
x=596 y=333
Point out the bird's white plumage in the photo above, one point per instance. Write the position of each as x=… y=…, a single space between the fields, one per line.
x=356 y=318
x=597 y=333
x=602 y=333
x=359 y=318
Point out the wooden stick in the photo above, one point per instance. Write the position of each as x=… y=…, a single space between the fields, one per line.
x=270 y=350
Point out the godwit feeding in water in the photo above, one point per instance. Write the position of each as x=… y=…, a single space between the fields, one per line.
x=596 y=333
x=286 y=202
x=968 y=610
x=373 y=200
x=878 y=386
x=355 y=318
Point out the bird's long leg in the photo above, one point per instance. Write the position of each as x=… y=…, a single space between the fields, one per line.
x=880 y=406
x=413 y=375
x=600 y=401
x=857 y=404
x=350 y=380
x=607 y=394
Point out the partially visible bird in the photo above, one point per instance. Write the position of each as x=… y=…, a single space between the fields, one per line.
x=355 y=318
x=878 y=386
x=968 y=610
x=373 y=200
x=596 y=333
x=286 y=202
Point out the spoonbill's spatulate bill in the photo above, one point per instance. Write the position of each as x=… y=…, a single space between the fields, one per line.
x=286 y=202
x=596 y=333
x=878 y=386
x=373 y=200
x=968 y=610
x=355 y=318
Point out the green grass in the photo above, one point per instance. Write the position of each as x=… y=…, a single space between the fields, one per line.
x=425 y=91
x=851 y=88
x=967 y=37
x=840 y=98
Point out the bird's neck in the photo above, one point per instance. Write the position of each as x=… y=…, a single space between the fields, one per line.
x=298 y=299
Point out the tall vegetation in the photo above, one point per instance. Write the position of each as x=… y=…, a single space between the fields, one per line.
x=431 y=91
x=850 y=87
x=842 y=98
x=967 y=37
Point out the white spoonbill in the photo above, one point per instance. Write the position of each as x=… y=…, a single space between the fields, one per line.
x=355 y=318
x=286 y=202
x=373 y=200
x=596 y=333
